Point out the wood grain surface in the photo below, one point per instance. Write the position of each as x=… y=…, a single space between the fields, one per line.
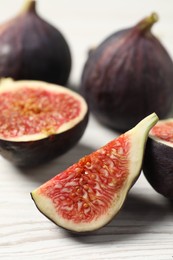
x=142 y=230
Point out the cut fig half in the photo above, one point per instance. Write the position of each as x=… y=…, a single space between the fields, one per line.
x=39 y=121
x=88 y=194
x=158 y=160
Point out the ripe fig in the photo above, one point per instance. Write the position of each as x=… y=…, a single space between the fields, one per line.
x=158 y=160
x=88 y=194
x=31 y=48
x=39 y=121
x=129 y=75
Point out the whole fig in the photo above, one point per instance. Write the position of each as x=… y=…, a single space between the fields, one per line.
x=128 y=76
x=30 y=48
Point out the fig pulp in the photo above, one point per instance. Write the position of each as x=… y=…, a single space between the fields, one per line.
x=31 y=48
x=129 y=75
x=158 y=160
x=39 y=121
x=90 y=193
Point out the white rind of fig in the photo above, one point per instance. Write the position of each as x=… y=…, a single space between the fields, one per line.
x=136 y=137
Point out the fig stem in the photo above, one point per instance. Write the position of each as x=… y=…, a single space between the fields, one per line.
x=29 y=6
x=147 y=23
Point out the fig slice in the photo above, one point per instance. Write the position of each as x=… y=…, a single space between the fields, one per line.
x=88 y=194
x=158 y=160
x=39 y=121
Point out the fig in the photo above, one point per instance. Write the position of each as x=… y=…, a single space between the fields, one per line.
x=88 y=194
x=31 y=48
x=158 y=160
x=39 y=121
x=128 y=76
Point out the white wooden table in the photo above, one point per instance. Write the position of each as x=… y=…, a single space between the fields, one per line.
x=142 y=230
x=144 y=227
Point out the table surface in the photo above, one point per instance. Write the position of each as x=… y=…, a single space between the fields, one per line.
x=144 y=227
x=142 y=230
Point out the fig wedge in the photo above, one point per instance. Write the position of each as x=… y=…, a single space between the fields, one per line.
x=88 y=194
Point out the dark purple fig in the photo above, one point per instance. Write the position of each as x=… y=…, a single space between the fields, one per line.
x=31 y=48
x=128 y=76
x=158 y=159
x=39 y=121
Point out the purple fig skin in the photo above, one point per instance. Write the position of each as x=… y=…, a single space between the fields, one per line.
x=128 y=76
x=158 y=167
x=38 y=152
x=33 y=49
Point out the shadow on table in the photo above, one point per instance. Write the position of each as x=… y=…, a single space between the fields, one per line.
x=49 y=170
x=138 y=216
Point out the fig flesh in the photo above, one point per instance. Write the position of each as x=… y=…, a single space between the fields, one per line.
x=158 y=160
x=129 y=75
x=39 y=121
x=88 y=194
x=31 y=48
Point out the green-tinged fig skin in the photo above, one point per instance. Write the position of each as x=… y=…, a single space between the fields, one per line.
x=30 y=48
x=129 y=75
x=48 y=197
x=38 y=152
x=158 y=167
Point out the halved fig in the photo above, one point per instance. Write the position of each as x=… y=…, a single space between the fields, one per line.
x=88 y=194
x=158 y=160
x=39 y=121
